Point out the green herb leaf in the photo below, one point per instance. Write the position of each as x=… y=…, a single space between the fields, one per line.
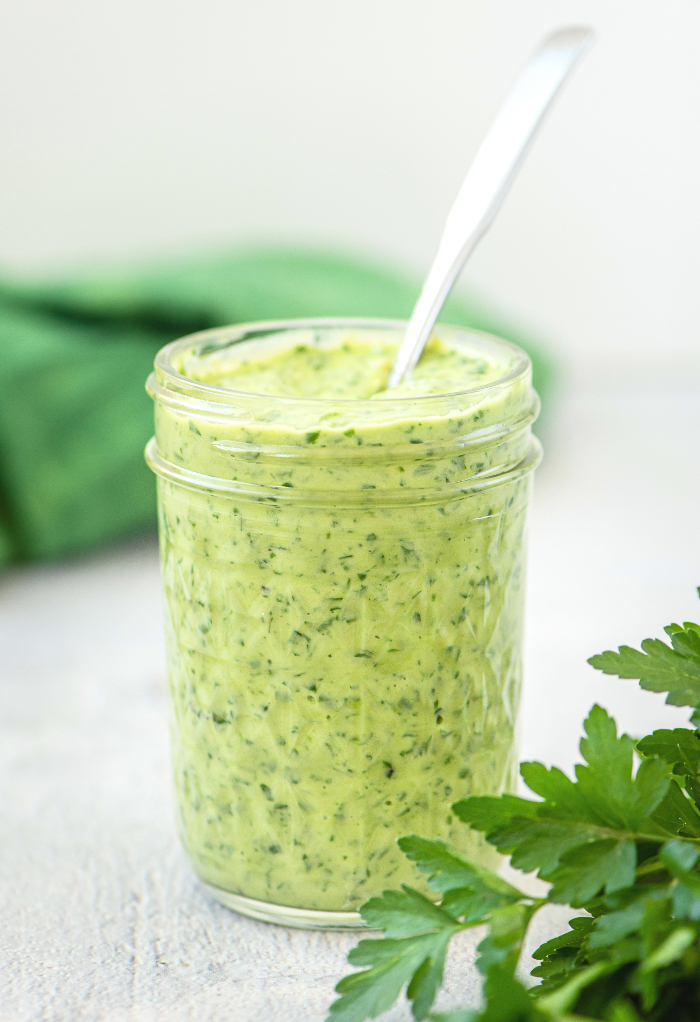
x=607 y=785
x=611 y=928
x=559 y=955
x=505 y=939
x=676 y=814
x=679 y=747
x=675 y=945
x=413 y=953
x=404 y=913
x=449 y=870
x=557 y=789
x=685 y=639
x=660 y=668
x=680 y=858
x=507 y=1000
x=418 y=961
x=590 y=868
x=581 y=838
x=489 y=813
x=464 y=904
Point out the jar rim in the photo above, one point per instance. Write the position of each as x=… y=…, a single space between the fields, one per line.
x=240 y=332
x=279 y=495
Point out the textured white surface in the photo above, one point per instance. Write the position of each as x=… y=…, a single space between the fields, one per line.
x=100 y=916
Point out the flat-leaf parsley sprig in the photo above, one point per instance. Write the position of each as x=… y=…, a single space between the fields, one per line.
x=620 y=843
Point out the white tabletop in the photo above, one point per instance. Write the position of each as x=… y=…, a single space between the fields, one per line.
x=101 y=917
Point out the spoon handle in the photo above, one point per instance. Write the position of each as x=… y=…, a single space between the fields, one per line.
x=488 y=180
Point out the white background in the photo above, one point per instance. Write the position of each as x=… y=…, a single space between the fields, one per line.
x=139 y=126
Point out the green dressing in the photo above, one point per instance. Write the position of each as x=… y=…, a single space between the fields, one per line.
x=343 y=570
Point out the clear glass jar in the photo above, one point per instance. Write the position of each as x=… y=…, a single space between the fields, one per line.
x=344 y=584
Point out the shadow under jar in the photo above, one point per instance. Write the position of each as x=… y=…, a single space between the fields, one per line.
x=344 y=576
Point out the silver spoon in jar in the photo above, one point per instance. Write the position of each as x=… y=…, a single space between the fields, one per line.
x=487 y=182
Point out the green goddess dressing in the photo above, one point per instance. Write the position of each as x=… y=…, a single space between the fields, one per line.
x=343 y=570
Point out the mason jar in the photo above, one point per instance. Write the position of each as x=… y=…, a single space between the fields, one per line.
x=344 y=581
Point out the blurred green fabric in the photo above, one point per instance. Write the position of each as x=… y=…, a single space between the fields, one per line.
x=74 y=416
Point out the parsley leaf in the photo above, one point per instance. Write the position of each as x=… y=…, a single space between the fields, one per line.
x=676 y=814
x=449 y=870
x=504 y=942
x=581 y=837
x=679 y=859
x=418 y=961
x=679 y=747
x=418 y=932
x=413 y=952
x=659 y=667
x=404 y=913
x=470 y=891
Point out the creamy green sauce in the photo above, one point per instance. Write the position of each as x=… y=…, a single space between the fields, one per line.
x=354 y=368
x=344 y=622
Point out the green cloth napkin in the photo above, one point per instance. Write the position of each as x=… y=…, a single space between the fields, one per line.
x=75 y=353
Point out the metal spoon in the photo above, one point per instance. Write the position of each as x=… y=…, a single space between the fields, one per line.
x=488 y=180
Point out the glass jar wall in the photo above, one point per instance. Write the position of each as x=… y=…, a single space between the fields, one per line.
x=344 y=596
